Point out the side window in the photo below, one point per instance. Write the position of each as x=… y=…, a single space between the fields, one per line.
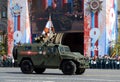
x=39 y=48
x=51 y=50
x=55 y=49
x=28 y=48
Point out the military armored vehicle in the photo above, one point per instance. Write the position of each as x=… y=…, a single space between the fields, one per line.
x=47 y=54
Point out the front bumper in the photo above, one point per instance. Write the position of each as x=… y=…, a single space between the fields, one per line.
x=84 y=63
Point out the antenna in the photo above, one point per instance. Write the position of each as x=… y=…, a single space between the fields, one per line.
x=50 y=17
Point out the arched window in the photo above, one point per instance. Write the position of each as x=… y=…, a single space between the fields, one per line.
x=4 y=12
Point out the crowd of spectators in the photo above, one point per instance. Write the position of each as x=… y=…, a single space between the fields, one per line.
x=105 y=62
x=5 y=61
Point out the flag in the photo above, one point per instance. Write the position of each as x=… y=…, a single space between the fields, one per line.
x=19 y=30
x=49 y=28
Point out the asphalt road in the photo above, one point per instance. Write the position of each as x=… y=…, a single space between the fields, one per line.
x=55 y=75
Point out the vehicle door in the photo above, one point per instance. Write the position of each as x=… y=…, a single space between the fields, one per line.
x=53 y=57
x=39 y=59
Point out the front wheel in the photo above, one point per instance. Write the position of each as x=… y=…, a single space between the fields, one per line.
x=39 y=70
x=80 y=71
x=68 y=67
x=26 y=67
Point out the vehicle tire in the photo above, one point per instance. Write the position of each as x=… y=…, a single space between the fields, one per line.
x=26 y=67
x=39 y=70
x=68 y=67
x=80 y=71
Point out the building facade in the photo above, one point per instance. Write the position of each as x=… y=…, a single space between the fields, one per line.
x=3 y=15
x=95 y=23
x=100 y=26
x=3 y=27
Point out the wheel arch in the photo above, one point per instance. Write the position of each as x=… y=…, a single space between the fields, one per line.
x=15 y=55
x=25 y=58
x=68 y=60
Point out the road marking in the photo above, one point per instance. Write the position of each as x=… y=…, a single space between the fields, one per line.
x=52 y=79
x=105 y=75
x=48 y=81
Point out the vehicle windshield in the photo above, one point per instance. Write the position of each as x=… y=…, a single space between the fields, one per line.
x=64 y=49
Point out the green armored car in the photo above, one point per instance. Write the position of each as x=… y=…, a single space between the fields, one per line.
x=39 y=56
